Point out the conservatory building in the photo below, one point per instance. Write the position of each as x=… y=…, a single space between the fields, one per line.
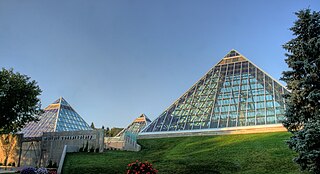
x=234 y=96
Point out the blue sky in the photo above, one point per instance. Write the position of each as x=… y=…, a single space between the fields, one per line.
x=113 y=60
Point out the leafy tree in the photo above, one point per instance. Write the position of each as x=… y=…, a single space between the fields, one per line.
x=303 y=80
x=19 y=102
x=114 y=131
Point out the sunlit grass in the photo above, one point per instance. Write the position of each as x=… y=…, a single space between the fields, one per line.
x=247 y=154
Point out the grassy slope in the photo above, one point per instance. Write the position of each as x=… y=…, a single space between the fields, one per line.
x=247 y=154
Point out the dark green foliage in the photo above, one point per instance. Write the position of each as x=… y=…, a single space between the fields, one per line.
x=50 y=164
x=97 y=150
x=12 y=164
x=107 y=132
x=81 y=149
x=19 y=102
x=92 y=125
x=114 y=131
x=55 y=165
x=303 y=80
x=230 y=154
x=91 y=149
x=86 y=148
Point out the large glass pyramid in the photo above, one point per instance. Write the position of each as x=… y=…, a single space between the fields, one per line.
x=136 y=126
x=234 y=93
x=58 y=116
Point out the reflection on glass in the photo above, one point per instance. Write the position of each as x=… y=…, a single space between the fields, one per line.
x=57 y=117
x=233 y=93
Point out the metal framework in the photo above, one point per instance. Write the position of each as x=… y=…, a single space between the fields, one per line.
x=136 y=126
x=58 y=116
x=234 y=93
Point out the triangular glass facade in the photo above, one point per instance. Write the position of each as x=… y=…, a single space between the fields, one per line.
x=234 y=93
x=136 y=126
x=58 y=116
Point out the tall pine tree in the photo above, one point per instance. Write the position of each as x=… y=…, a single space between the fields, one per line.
x=303 y=80
x=92 y=126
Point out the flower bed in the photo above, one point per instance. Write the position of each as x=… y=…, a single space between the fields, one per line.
x=141 y=168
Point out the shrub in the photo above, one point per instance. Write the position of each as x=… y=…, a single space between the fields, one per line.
x=28 y=170
x=13 y=164
x=139 y=167
x=1 y=164
x=92 y=149
x=97 y=150
x=55 y=165
x=86 y=148
x=42 y=170
x=50 y=164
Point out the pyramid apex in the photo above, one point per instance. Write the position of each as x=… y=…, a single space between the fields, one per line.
x=53 y=120
x=232 y=53
x=141 y=118
x=234 y=93
x=142 y=115
x=145 y=118
x=231 y=57
x=136 y=126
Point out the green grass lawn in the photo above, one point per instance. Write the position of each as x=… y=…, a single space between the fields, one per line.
x=245 y=154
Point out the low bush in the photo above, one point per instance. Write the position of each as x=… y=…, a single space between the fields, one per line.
x=140 y=167
x=55 y=165
x=50 y=164
x=97 y=150
x=13 y=164
x=86 y=148
x=28 y=170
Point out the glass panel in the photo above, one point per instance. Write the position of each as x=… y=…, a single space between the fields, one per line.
x=233 y=93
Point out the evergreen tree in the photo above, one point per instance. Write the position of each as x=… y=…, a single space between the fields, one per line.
x=107 y=132
x=92 y=125
x=303 y=81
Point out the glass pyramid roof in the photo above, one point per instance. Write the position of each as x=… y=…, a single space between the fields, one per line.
x=58 y=116
x=136 y=126
x=234 y=93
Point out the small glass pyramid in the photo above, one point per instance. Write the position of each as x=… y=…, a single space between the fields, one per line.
x=136 y=126
x=58 y=116
x=234 y=93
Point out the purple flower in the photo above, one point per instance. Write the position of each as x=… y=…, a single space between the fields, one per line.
x=42 y=170
x=28 y=170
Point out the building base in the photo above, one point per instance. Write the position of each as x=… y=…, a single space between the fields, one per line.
x=218 y=131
